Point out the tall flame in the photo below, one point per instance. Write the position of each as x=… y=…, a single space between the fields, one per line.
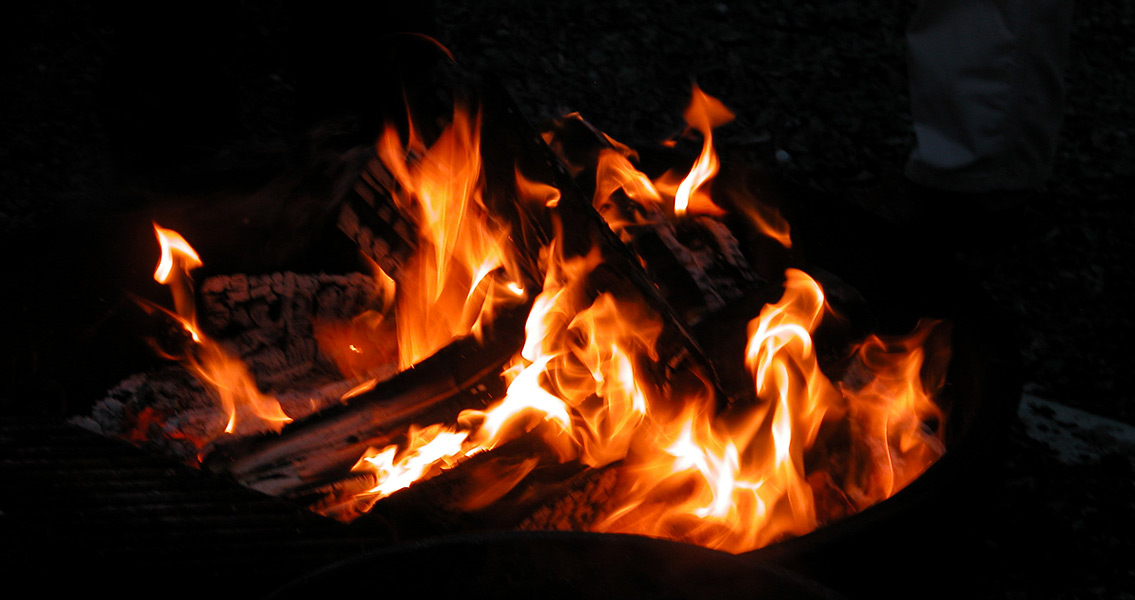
x=450 y=287
x=737 y=482
x=702 y=115
x=614 y=172
x=224 y=374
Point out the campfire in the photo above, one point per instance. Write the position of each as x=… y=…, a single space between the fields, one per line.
x=525 y=354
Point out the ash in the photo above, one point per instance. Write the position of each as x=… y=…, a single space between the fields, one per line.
x=268 y=321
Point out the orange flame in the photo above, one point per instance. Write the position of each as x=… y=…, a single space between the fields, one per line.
x=174 y=250
x=462 y=271
x=615 y=172
x=581 y=382
x=703 y=114
x=364 y=346
x=576 y=373
x=450 y=287
x=737 y=482
x=734 y=481
x=224 y=374
x=535 y=190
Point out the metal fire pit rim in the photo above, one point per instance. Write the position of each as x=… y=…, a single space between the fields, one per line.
x=579 y=545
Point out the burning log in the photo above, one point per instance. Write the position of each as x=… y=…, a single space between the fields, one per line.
x=323 y=448
x=312 y=454
x=694 y=260
x=580 y=508
x=520 y=484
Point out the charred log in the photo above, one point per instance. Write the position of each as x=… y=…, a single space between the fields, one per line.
x=518 y=485
x=270 y=320
x=323 y=448
x=696 y=262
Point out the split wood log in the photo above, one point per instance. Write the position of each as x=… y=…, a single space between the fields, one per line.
x=370 y=218
x=695 y=261
x=322 y=448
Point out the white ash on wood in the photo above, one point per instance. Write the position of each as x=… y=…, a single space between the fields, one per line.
x=268 y=321
x=577 y=510
x=320 y=450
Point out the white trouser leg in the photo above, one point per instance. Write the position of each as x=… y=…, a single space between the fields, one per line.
x=986 y=91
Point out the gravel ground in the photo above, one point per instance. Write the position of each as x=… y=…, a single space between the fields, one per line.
x=86 y=122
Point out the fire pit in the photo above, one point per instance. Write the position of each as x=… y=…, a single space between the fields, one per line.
x=676 y=306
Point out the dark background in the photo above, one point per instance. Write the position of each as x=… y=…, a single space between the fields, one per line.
x=112 y=117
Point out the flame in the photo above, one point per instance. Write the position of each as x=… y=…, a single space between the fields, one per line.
x=614 y=172
x=703 y=114
x=534 y=190
x=178 y=258
x=364 y=346
x=224 y=374
x=890 y=411
x=586 y=382
x=426 y=448
x=576 y=374
x=737 y=482
x=733 y=481
x=462 y=270
x=767 y=220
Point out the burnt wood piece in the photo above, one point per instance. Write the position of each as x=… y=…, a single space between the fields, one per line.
x=695 y=261
x=370 y=218
x=512 y=144
x=269 y=321
x=459 y=499
x=696 y=264
x=586 y=499
x=322 y=448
